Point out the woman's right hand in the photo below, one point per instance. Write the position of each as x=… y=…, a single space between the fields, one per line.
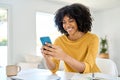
x=45 y=56
x=48 y=59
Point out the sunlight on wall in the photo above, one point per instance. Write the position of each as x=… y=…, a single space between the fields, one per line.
x=45 y=27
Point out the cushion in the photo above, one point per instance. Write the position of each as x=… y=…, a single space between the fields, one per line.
x=33 y=58
x=27 y=65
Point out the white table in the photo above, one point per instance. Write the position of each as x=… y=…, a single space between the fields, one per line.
x=43 y=74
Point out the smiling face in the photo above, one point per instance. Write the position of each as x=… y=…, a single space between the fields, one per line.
x=70 y=25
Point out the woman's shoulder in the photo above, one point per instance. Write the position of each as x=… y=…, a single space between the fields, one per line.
x=59 y=39
x=61 y=36
x=92 y=35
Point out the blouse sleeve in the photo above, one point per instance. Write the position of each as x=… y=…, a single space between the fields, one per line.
x=57 y=65
x=91 y=55
x=57 y=62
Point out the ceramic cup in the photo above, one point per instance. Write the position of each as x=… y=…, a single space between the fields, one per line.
x=12 y=70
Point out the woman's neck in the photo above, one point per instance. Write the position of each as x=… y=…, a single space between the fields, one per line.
x=76 y=36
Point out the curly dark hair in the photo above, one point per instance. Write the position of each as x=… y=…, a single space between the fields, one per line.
x=79 y=12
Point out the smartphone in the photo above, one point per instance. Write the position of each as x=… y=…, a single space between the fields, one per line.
x=45 y=39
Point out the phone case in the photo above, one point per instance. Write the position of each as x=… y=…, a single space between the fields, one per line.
x=45 y=39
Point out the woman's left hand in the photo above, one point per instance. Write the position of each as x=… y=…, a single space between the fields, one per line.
x=54 y=51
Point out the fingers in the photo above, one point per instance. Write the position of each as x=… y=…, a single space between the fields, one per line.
x=47 y=50
x=42 y=51
x=48 y=53
x=51 y=45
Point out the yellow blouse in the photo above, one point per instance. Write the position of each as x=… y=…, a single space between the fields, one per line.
x=84 y=50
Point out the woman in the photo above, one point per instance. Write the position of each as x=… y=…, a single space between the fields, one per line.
x=77 y=47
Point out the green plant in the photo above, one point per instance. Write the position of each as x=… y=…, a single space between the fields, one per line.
x=103 y=45
x=3 y=42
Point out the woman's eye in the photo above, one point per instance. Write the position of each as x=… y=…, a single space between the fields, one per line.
x=64 y=22
x=71 y=20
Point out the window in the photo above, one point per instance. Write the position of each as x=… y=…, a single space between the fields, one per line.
x=3 y=36
x=45 y=27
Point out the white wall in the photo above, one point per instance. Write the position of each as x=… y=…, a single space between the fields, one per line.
x=108 y=23
x=23 y=35
x=22 y=30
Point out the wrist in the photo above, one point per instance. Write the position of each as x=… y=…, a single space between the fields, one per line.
x=66 y=57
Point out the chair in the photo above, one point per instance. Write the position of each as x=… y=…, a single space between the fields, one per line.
x=107 y=66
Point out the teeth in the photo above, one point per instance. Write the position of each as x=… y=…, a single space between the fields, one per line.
x=69 y=29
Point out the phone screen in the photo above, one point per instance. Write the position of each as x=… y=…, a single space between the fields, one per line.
x=45 y=39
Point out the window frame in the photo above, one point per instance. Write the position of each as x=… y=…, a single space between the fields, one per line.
x=9 y=32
